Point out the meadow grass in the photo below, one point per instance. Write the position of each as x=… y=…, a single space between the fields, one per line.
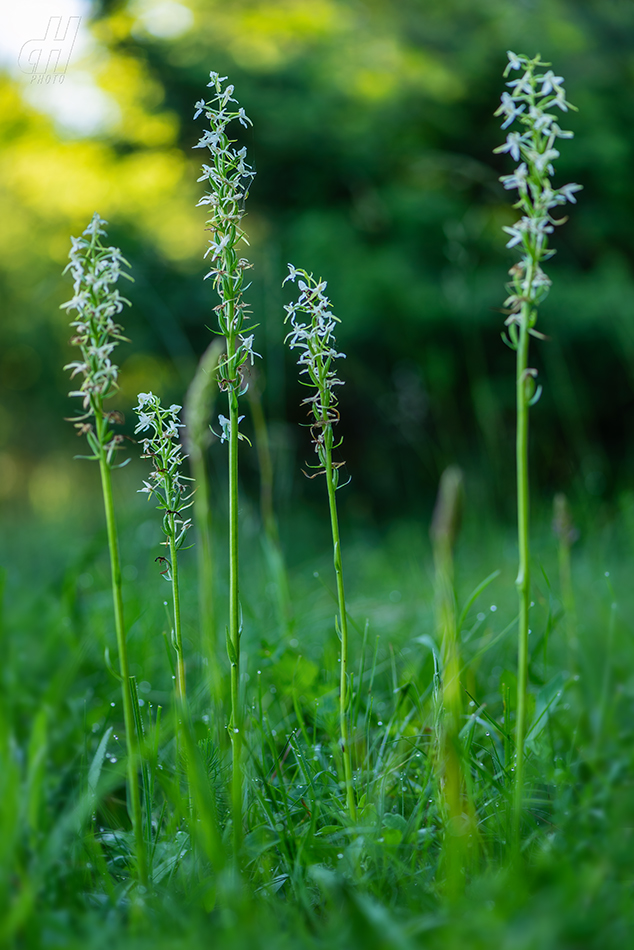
x=310 y=877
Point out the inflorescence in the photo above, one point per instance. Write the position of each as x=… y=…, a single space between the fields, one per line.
x=166 y=481
x=95 y=270
x=316 y=339
x=532 y=95
x=229 y=178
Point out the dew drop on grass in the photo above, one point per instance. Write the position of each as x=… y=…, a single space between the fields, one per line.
x=607 y=573
x=112 y=704
x=480 y=616
x=340 y=855
x=492 y=608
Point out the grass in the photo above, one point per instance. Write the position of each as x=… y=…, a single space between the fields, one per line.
x=309 y=877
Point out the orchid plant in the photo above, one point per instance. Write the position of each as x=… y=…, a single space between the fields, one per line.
x=531 y=142
x=229 y=177
x=315 y=339
x=96 y=269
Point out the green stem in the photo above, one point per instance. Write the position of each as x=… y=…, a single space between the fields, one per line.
x=206 y=600
x=235 y=726
x=182 y=712
x=343 y=624
x=522 y=581
x=128 y=712
x=178 y=633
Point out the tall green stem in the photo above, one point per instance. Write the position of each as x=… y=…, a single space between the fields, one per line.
x=178 y=632
x=343 y=626
x=128 y=713
x=234 y=612
x=522 y=581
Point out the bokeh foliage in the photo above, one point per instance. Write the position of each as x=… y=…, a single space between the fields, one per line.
x=372 y=139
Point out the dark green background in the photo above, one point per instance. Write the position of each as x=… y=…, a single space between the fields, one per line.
x=372 y=139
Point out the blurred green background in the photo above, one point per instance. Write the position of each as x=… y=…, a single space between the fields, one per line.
x=372 y=139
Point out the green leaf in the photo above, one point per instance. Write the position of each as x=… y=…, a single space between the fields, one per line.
x=97 y=763
x=546 y=701
x=473 y=596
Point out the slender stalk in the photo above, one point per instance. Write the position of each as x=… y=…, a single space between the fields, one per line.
x=343 y=627
x=235 y=725
x=522 y=582
x=124 y=667
x=178 y=630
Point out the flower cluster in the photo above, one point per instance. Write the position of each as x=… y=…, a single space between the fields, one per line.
x=166 y=481
x=96 y=269
x=533 y=94
x=229 y=178
x=316 y=340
